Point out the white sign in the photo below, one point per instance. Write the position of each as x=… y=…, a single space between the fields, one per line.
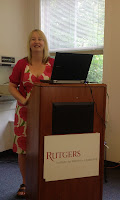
x=71 y=156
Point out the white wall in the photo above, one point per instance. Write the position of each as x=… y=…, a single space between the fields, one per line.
x=13 y=27
x=111 y=76
x=33 y=14
x=17 y=19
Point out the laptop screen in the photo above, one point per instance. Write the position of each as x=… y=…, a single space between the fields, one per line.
x=71 y=66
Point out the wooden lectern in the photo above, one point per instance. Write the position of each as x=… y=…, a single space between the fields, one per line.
x=40 y=125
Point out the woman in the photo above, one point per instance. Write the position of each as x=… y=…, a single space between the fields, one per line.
x=38 y=65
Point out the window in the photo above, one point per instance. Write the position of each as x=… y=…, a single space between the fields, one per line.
x=76 y=26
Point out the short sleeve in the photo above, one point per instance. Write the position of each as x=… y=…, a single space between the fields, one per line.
x=15 y=77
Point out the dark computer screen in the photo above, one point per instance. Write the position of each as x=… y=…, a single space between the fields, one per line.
x=75 y=117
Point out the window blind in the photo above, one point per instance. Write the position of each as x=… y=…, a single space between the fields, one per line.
x=76 y=25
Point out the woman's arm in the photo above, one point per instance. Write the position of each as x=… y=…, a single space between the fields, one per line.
x=16 y=94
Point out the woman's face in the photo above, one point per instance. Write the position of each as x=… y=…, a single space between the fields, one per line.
x=36 y=43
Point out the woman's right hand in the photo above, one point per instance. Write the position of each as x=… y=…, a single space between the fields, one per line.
x=24 y=101
x=16 y=94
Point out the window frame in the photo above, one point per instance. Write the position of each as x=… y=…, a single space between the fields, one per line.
x=94 y=51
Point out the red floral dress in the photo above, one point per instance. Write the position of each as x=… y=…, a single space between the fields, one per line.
x=20 y=123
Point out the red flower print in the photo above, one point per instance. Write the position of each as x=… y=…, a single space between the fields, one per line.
x=48 y=71
x=34 y=78
x=16 y=120
x=41 y=77
x=22 y=143
x=28 y=86
x=23 y=113
x=14 y=148
x=26 y=76
x=19 y=130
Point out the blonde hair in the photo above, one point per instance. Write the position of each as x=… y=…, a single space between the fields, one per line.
x=45 y=51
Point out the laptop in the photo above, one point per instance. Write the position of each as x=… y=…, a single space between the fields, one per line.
x=70 y=68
